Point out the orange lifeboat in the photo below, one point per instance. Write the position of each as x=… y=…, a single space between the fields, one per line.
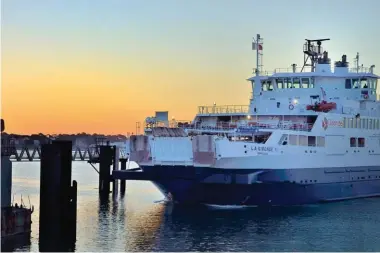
x=323 y=106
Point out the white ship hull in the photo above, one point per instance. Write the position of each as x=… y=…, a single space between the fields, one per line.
x=214 y=170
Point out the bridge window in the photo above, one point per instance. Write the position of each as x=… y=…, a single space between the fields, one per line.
x=311 y=82
x=267 y=85
x=352 y=142
x=288 y=83
x=355 y=83
x=280 y=83
x=305 y=83
x=363 y=83
x=264 y=86
x=361 y=142
x=270 y=85
x=296 y=83
x=348 y=84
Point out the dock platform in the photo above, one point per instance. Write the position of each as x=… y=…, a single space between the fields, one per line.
x=133 y=175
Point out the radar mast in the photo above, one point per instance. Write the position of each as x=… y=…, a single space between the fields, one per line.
x=312 y=49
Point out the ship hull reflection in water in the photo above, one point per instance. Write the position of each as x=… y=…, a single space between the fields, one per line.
x=136 y=222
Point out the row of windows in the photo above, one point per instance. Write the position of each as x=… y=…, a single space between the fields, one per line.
x=357 y=142
x=306 y=83
x=289 y=83
x=361 y=123
x=362 y=83
x=302 y=140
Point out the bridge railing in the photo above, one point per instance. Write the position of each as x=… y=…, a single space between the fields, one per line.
x=231 y=127
x=223 y=109
x=79 y=153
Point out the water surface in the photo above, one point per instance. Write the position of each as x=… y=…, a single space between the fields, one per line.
x=136 y=222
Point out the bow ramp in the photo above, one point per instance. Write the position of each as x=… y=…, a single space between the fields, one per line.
x=173 y=150
x=167 y=147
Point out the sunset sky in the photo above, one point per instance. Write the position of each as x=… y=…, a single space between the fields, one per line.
x=101 y=65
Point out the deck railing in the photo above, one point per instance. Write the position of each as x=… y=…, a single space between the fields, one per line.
x=223 y=109
x=250 y=126
x=362 y=70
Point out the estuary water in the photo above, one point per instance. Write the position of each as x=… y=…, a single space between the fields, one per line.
x=138 y=221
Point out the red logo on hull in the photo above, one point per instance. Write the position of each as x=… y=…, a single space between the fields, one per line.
x=325 y=123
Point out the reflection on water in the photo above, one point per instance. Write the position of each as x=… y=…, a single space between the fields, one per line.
x=134 y=222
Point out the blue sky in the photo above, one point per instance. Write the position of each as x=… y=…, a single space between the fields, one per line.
x=216 y=29
x=160 y=55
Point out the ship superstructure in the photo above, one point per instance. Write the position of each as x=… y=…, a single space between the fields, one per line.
x=305 y=137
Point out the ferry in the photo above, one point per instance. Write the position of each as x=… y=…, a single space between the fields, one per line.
x=308 y=135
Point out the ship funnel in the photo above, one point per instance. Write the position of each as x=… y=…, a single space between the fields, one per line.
x=344 y=58
x=325 y=56
x=341 y=67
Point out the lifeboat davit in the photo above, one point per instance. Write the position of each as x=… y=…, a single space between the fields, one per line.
x=323 y=106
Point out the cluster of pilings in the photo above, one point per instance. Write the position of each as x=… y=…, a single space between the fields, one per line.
x=109 y=157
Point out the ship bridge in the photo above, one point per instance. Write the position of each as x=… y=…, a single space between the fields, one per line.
x=295 y=91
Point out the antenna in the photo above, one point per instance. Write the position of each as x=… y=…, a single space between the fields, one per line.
x=257 y=45
x=312 y=49
x=357 y=62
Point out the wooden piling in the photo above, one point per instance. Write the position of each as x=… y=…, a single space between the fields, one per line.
x=57 y=225
x=123 y=163
x=106 y=155
x=116 y=158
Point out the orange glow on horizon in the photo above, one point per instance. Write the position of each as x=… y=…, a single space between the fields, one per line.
x=103 y=96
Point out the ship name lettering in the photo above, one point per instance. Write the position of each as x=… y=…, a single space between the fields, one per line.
x=265 y=149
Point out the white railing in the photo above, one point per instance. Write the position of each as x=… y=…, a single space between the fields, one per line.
x=287 y=70
x=249 y=126
x=180 y=123
x=361 y=70
x=223 y=109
